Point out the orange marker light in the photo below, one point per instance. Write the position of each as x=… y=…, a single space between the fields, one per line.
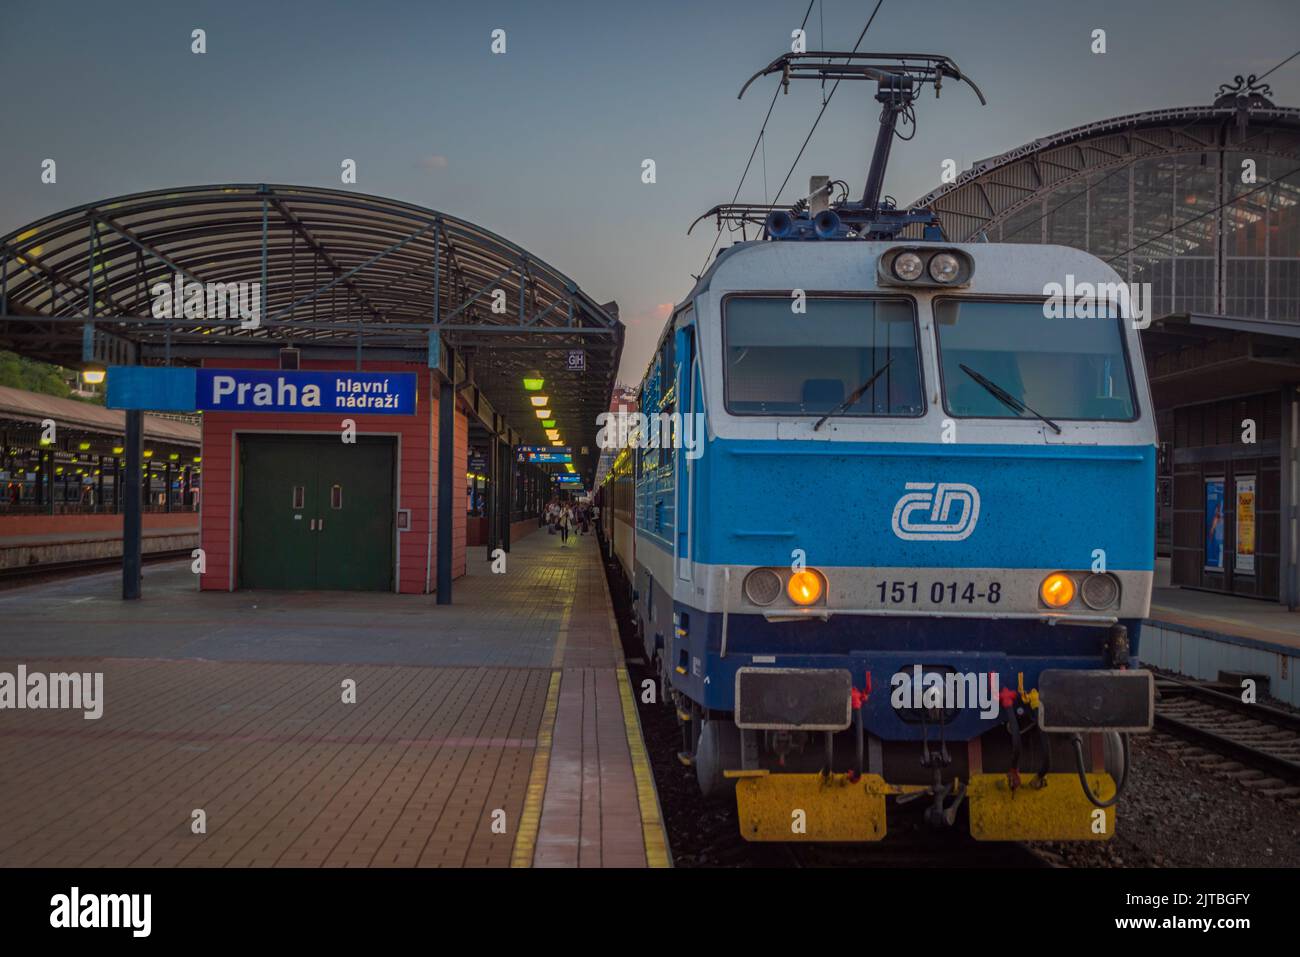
x=804 y=587
x=1057 y=590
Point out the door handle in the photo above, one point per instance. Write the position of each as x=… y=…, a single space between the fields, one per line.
x=320 y=525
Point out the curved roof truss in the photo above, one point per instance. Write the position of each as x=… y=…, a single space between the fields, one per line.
x=336 y=271
x=994 y=190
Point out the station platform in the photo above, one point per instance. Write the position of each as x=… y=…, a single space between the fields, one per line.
x=498 y=731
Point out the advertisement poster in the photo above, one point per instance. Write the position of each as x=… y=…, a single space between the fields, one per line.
x=1214 y=524
x=1245 y=557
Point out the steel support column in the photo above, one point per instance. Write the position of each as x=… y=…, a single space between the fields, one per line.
x=507 y=493
x=446 y=458
x=1289 y=586
x=132 y=511
x=493 y=502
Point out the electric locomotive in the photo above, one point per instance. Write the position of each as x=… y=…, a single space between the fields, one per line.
x=909 y=559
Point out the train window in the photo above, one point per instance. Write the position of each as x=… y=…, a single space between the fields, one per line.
x=1061 y=368
x=780 y=363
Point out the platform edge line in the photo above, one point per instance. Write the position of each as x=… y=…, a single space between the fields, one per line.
x=531 y=819
x=562 y=635
x=653 y=834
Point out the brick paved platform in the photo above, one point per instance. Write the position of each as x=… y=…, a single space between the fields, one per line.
x=499 y=731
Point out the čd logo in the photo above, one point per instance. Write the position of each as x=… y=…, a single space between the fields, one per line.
x=935 y=502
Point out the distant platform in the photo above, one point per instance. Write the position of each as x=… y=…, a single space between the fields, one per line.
x=30 y=542
x=1202 y=634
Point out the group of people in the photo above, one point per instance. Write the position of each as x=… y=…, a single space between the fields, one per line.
x=568 y=518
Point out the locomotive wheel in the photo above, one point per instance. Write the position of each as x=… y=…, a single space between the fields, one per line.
x=1113 y=755
x=718 y=748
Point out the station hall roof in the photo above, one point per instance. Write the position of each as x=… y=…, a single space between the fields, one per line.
x=1200 y=204
x=341 y=274
x=994 y=191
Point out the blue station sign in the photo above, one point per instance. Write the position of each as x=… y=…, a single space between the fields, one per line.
x=275 y=390
x=170 y=389
x=547 y=458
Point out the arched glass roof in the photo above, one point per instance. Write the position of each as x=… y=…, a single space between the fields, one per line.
x=1202 y=202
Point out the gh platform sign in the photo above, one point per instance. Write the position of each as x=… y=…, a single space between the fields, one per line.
x=165 y=389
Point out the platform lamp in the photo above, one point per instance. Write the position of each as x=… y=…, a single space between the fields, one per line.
x=93 y=373
x=533 y=381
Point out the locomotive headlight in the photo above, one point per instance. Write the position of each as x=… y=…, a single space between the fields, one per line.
x=762 y=586
x=908 y=266
x=1099 y=591
x=804 y=587
x=944 y=267
x=1057 y=590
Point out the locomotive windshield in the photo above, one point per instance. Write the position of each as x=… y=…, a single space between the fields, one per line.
x=780 y=362
x=1058 y=368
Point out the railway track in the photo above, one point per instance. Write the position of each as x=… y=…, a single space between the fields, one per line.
x=941 y=849
x=1253 y=744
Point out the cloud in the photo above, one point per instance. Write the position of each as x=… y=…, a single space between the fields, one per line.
x=432 y=161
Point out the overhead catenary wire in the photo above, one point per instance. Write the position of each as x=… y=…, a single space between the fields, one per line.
x=758 y=140
x=822 y=111
x=1276 y=68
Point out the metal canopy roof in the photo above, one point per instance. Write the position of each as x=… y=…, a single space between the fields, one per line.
x=1198 y=358
x=84 y=419
x=340 y=272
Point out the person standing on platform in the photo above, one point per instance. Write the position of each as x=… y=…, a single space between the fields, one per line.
x=564 y=520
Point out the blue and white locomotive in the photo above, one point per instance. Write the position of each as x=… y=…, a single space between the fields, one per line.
x=909 y=558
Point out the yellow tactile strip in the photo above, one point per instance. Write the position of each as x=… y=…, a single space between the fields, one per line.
x=652 y=825
x=530 y=819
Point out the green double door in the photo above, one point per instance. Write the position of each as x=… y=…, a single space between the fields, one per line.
x=315 y=513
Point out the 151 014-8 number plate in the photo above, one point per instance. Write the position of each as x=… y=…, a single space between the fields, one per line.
x=936 y=593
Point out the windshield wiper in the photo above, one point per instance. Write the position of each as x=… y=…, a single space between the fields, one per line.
x=855 y=395
x=1005 y=397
